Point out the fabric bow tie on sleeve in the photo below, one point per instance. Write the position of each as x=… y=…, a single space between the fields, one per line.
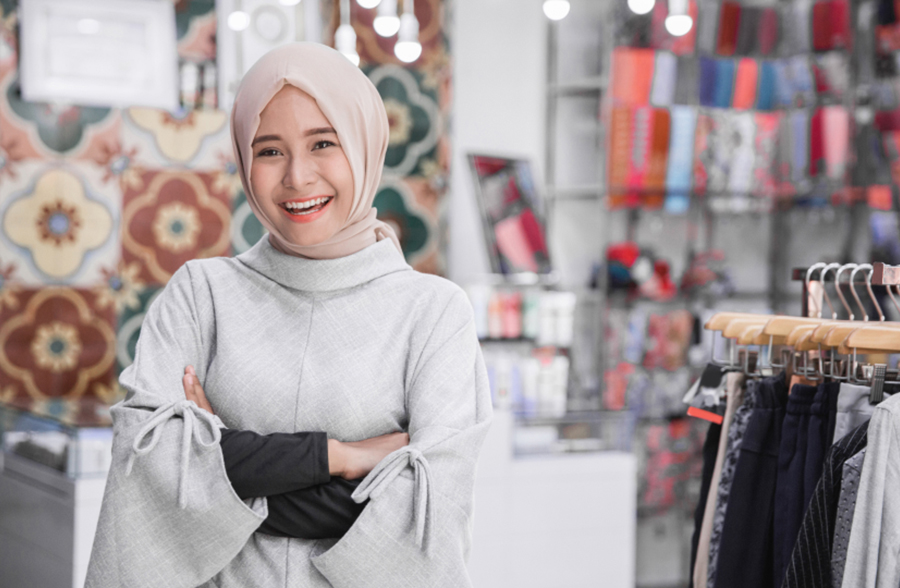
x=194 y=417
x=385 y=473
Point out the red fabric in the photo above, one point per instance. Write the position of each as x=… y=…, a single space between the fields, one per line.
x=534 y=232
x=625 y=253
x=880 y=197
x=768 y=31
x=745 y=84
x=729 y=22
x=816 y=148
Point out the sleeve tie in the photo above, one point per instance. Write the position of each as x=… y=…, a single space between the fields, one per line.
x=194 y=417
x=385 y=473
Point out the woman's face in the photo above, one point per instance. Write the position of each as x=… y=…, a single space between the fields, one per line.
x=299 y=173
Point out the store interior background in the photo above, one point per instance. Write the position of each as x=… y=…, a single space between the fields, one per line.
x=598 y=494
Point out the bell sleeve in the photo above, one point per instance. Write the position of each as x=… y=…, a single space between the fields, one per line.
x=415 y=530
x=170 y=517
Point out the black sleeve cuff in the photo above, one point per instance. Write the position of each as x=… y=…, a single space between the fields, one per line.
x=265 y=465
x=326 y=511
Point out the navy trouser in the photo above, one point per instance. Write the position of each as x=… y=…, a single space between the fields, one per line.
x=746 y=548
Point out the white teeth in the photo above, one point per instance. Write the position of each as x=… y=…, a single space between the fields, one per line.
x=307 y=204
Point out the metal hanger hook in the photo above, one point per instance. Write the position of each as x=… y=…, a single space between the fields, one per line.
x=837 y=286
x=872 y=294
x=806 y=281
x=824 y=275
x=853 y=289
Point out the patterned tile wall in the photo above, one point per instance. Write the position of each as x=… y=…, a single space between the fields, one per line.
x=100 y=206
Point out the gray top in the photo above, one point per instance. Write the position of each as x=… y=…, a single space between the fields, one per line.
x=873 y=552
x=356 y=347
x=853 y=409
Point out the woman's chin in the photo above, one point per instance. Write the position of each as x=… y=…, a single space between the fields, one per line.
x=307 y=239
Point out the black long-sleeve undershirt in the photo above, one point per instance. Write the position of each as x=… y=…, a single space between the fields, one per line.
x=291 y=471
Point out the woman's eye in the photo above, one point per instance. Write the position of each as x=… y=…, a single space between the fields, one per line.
x=322 y=144
x=267 y=152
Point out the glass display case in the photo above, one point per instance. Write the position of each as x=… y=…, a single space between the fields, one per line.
x=73 y=437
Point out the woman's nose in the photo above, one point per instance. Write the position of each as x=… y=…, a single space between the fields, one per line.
x=300 y=172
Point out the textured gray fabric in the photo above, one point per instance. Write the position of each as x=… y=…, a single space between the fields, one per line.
x=844 y=519
x=732 y=452
x=356 y=347
x=853 y=409
x=873 y=552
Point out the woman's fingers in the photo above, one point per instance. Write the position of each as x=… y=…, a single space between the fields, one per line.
x=194 y=391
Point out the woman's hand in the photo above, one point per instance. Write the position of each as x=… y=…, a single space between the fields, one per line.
x=356 y=459
x=193 y=390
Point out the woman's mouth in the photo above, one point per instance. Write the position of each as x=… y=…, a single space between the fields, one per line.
x=306 y=210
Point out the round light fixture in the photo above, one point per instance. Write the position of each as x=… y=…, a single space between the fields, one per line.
x=368 y=3
x=408 y=49
x=679 y=25
x=386 y=26
x=556 y=9
x=238 y=20
x=345 y=42
x=641 y=6
x=387 y=23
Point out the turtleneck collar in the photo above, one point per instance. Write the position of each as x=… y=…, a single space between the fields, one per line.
x=324 y=275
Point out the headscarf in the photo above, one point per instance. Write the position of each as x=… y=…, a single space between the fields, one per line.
x=352 y=105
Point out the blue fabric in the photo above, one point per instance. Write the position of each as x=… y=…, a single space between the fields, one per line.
x=725 y=69
x=708 y=73
x=746 y=546
x=765 y=94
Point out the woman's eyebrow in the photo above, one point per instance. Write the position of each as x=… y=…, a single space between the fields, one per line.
x=320 y=131
x=264 y=138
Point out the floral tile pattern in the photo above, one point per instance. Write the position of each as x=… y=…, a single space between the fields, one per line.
x=414 y=117
x=35 y=129
x=173 y=217
x=197 y=139
x=246 y=229
x=406 y=204
x=57 y=223
x=130 y=320
x=56 y=344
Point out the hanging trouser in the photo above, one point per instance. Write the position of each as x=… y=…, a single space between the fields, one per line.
x=746 y=546
x=710 y=448
x=789 y=490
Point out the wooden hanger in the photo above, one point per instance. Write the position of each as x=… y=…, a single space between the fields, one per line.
x=720 y=320
x=783 y=325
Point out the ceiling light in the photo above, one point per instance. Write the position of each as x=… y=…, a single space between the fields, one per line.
x=678 y=23
x=387 y=23
x=238 y=20
x=345 y=42
x=368 y=3
x=556 y=9
x=641 y=6
x=408 y=49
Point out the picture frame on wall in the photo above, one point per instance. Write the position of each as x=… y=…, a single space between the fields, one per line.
x=512 y=215
x=111 y=53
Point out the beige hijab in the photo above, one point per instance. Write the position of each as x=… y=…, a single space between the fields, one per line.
x=353 y=107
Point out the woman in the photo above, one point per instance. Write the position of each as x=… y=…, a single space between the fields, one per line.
x=321 y=327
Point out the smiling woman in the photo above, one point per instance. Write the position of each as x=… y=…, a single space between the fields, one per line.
x=308 y=413
x=300 y=174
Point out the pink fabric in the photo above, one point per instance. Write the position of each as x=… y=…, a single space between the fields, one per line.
x=354 y=108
